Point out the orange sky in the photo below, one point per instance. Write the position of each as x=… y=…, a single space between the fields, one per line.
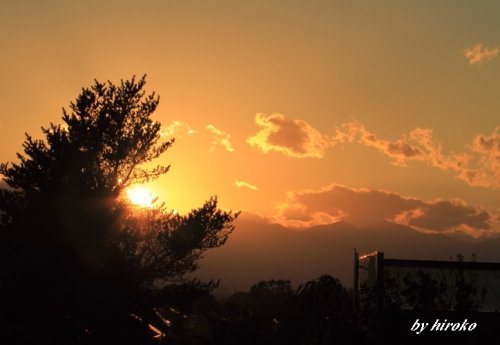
x=305 y=112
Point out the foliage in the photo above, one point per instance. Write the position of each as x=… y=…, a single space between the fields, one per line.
x=72 y=250
x=272 y=289
x=423 y=292
x=318 y=312
x=99 y=150
x=326 y=304
x=468 y=296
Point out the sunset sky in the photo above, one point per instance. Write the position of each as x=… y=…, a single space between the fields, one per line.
x=306 y=112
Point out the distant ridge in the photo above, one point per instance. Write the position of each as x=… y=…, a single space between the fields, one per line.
x=260 y=250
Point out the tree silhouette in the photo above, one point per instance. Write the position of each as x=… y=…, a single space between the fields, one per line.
x=325 y=312
x=75 y=256
x=318 y=312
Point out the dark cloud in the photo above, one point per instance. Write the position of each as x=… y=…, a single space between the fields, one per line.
x=402 y=148
x=364 y=207
x=449 y=214
x=358 y=206
x=488 y=143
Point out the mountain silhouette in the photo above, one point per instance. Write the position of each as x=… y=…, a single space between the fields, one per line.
x=259 y=250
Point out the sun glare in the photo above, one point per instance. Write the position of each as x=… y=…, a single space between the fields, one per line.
x=140 y=196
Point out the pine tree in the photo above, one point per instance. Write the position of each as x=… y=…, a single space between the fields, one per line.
x=74 y=253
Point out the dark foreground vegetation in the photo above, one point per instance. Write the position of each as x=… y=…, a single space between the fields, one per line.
x=318 y=312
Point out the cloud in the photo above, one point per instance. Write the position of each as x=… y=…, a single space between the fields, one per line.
x=337 y=202
x=297 y=138
x=418 y=144
x=443 y=215
x=220 y=137
x=400 y=150
x=485 y=171
x=478 y=164
x=364 y=207
x=177 y=129
x=479 y=53
x=240 y=184
x=488 y=144
x=292 y=137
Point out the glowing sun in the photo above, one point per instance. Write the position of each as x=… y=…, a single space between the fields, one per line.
x=140 y=196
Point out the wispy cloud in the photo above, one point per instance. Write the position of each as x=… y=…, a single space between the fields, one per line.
x=243 y=184
x=220 y=137
x=400 y=150
x=292 y=137
x=177 y=129
x=418 y=145
x=478 y=164
x=363 y=207
x=478 y=53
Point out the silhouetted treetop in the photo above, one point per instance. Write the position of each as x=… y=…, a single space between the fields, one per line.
x=107 y=136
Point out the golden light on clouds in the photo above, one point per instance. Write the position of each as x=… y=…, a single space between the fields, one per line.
x=292 y=137
x=480 y=53
x=363 y=206
x=177 y=129
x=240 y=184
x=219 y=137
x=477 y=164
